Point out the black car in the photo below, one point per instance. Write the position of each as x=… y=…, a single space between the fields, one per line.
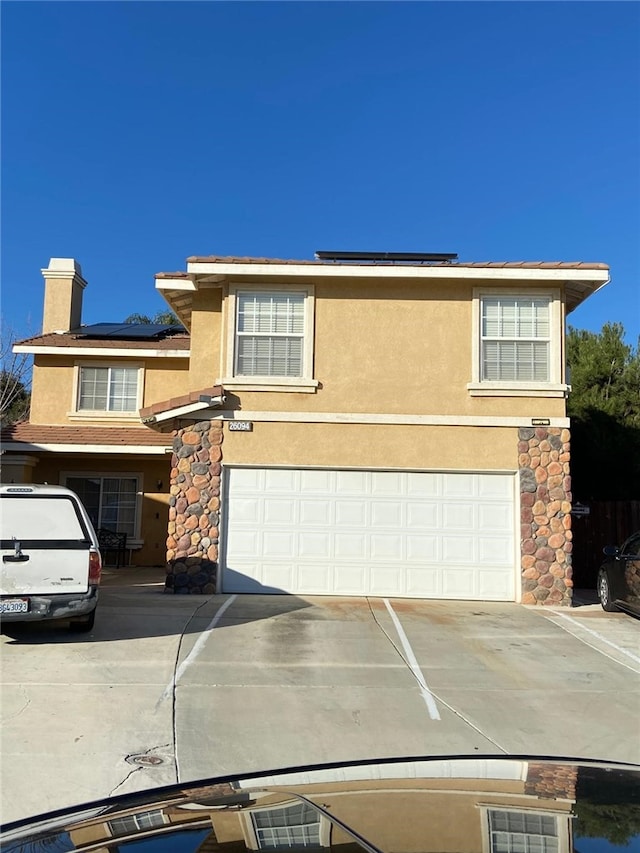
x=491 y=803
x=619 y=577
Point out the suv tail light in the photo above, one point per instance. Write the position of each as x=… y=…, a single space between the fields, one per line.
x=95 y=568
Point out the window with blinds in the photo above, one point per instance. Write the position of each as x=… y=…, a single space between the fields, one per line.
x=108 y=389
x=269 y=334
x=515 y=338
x=522 y=832
x=289 y=827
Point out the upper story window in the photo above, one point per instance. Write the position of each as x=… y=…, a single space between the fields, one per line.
x=270 y=339
x=108 y=389
x=515 y=338
x=517 y=344
x=136 y=822
x=270 y=334
x=528 y=832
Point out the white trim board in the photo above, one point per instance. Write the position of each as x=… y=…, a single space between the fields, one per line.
x=107 y=449
x=400 y=271
x=103 y=352
x=399 y=419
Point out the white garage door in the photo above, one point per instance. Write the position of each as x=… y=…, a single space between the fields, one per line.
x=379 y=533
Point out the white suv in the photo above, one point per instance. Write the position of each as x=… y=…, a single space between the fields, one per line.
x=51 y=564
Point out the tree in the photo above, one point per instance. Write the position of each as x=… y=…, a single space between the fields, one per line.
x=604 y=407
x=15 y=380
x=167 y=318
x=607 y=808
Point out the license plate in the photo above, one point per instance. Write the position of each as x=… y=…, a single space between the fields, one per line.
x=14 y=605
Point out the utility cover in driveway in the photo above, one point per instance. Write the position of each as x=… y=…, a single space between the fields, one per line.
x=378 y=533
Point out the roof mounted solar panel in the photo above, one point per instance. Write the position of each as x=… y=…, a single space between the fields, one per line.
x=129 y=331
x=388 y=257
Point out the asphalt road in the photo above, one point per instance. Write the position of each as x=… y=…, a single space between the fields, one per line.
x=175 y=688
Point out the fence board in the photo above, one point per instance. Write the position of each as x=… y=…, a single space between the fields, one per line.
x=609 y=523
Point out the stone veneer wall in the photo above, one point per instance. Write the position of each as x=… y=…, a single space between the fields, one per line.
x=545 y=515
x=551 y=781
x=194 y=509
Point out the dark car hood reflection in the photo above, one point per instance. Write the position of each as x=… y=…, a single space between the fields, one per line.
x=488 y=805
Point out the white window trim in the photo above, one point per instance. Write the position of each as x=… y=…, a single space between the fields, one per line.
x=305 y=383
x=556 y=386
x=563 y=823
x=250 y=837
x=136 y=541
x=135 y=816
x=96 y=414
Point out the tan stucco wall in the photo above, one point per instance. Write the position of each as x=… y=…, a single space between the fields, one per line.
x=51 y=389
x=374 y=446
x=395 y=347
x=54 y=377
x=206 y=328
x=165 y=378
x=414 y=821
x=62 y=309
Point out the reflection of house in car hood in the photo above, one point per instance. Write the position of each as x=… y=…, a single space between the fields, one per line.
x=411 y=806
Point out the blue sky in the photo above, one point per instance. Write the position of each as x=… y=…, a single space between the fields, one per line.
x=136 y=134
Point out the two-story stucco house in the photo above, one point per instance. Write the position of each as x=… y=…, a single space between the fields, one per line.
x=356 y=424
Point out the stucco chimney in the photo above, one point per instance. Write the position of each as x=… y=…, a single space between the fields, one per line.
x=63 y=287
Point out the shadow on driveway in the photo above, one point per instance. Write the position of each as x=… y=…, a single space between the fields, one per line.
x=133 y=604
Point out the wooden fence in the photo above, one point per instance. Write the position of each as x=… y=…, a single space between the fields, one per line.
x=608 y=523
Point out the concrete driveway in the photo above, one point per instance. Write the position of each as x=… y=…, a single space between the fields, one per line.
x=172 y=688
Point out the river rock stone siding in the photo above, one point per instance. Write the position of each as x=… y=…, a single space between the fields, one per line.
x=194 y=509
x=551 y=781
x=545 y=515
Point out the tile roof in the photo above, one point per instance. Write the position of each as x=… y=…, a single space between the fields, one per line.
x=178 y=402
x=220 y=259
x=178 y=341
x=28 y=433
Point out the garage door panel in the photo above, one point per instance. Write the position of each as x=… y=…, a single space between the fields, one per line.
x=280 y=512
x=495 y=516
x=316 y=482
x=278 y=543
x=247 y=510
x=247 y=544
x=386 y=581
x=249 y=479
x=386 y=547
x=351 y=513
x=351 y=482
x=459 y=485
x=386 y=514
x=315 y=513
x=459 y=549
x=495 y=585
x=351 y=546
x=458 y=582
x=498 y=488
x=422 y=485
x=424 y=583
x=395 y=533
x=282 y=480
x=496 y=551
x=421 y=547
x=313 y=545
x=458 y=516
x=351 y=579
x=315 y=578
x=423 y=515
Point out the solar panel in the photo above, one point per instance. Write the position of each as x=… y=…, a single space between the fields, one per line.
x=388 y=257
x=129 y=331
